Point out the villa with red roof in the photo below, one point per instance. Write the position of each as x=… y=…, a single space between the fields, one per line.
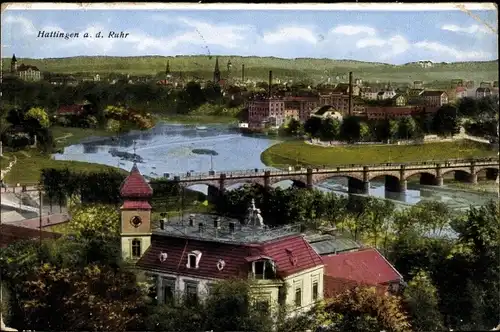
x=188 y=253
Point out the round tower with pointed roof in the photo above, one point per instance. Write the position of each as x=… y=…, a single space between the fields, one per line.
x=135 y=230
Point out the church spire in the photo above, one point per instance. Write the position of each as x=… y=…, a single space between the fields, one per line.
x=13 y=64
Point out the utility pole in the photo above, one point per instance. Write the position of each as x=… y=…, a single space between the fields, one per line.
x=40 y=211
x=350 y=93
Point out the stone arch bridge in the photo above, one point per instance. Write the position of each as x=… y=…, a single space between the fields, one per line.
x=359 y=176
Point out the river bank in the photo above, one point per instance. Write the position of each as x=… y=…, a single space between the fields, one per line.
x=196 y=119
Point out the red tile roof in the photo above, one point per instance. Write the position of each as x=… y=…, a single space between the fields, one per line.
x=335 y=286
x=292 y=254
x=10 y=234
x=432 y=93
x=70 y=109
x=141 y=205
x=366 y=266
x=300 y=256
x=135 y=185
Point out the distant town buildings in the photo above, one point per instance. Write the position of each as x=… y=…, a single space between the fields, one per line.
x=435 y=98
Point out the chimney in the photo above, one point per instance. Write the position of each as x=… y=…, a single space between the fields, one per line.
x=191 y=220
x=200 y=227
x=243 y=73
x=350 y=93
x=231 y=227
x=216 y=222
x=270 y=83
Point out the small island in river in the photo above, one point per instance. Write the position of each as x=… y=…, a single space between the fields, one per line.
x=205 y=151
x=126 y=155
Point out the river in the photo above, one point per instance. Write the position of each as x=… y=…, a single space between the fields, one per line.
x=168 y=148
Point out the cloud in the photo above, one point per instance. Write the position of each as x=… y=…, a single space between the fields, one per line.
x=290 y=34
x=351 y=30
x=393 y=46
x=461 y=55
x=473 y=29
x=25 y=25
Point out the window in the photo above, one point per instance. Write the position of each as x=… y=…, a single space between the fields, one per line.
x=262 y=306
x=168 y=290
x=315 y=290
x=298 y=297
x=193 y=260
x=191 y=290
x=136 y=248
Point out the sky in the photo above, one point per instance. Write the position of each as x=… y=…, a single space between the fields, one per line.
x=395 y=37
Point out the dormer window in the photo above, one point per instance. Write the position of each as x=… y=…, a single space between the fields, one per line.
x=193 y=259
x=262 y=268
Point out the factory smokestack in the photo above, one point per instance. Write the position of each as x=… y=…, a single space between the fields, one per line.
x=350 y=93
x=270 y=83
x=243 y=73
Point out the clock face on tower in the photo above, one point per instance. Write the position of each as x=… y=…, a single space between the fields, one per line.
x=136 y=221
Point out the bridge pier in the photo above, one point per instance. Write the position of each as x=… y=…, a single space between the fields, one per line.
x=439 y=181
x=213 y=194
x=356 y=186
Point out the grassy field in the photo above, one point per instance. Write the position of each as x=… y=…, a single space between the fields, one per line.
x=30 y=163
x=197 y=119
x=65 y=136
x=300 y=153
x=257 y=68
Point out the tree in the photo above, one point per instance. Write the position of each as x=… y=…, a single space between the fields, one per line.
x=351 y=129
x=330 y=129
x=312 y=126
x=446 y=121
x=364 y=132
x=94 y=220
x=393 y=129
x=375 y=221
x=468 y=107
x=422 y=303
x=294 y=127
x=366 y=309
x=230 y=307
x=406 y=128
x=61 y=299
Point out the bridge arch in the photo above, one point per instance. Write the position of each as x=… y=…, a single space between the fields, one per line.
x=294 y=183
x=299 y=180
x=231 y=183
x=462 y=174
x=489 y=172
x=322 y=177
x=427 y=177
x=206 y=190
x=355 y=181
x=392 y=183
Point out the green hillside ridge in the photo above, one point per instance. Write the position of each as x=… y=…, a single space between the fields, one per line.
x=201 y=66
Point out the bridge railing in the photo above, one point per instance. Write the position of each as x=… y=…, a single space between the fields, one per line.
x=343 y=167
